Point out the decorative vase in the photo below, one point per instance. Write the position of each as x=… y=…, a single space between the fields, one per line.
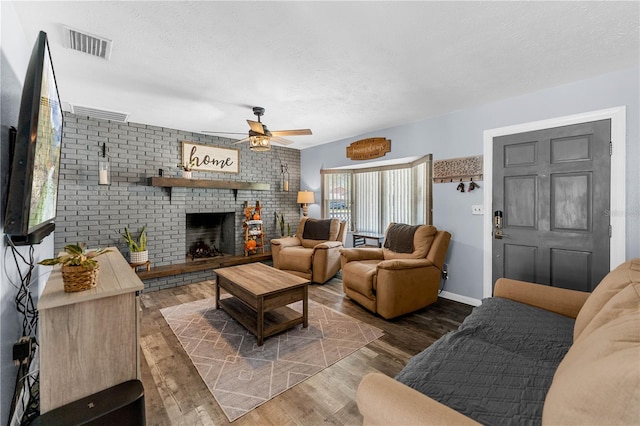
x=139 y=256
x=186 y=175
x=79 y=278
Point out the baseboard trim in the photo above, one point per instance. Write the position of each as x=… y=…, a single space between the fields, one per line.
x=459 y=298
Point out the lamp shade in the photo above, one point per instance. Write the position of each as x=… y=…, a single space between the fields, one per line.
x=305 y=197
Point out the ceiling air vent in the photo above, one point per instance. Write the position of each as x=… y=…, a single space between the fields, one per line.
x=88 y=43
x=101 y=114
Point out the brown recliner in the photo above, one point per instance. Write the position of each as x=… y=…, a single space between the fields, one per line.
x=402 y=276
x=313 y=253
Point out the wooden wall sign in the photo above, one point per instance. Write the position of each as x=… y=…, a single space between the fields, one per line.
x=366 y=149
x=209 y=158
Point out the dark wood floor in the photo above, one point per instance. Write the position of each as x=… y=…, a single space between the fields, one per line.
x=175 y=394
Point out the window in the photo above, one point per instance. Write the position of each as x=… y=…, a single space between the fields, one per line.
x=370 y=197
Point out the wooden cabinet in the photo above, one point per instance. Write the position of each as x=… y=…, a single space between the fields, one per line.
x=89 y=340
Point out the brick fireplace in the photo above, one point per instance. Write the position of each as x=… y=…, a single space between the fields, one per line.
x=209 y=235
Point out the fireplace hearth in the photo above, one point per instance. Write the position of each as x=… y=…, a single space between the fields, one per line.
x=209 y=235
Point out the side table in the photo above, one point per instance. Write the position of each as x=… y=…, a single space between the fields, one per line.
x=360 y=239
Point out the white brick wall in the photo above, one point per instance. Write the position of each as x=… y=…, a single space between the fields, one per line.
x=95 y=215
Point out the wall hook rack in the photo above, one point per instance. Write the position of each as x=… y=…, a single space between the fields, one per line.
x=463 y=169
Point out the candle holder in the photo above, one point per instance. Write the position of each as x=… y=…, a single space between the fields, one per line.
x=284 y=171
x=104 y=168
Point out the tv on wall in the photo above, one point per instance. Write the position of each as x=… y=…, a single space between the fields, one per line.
x=35 y=164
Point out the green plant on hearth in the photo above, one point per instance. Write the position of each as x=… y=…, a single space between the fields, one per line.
x=281 y=223
x=75 y=255
x=138 y=245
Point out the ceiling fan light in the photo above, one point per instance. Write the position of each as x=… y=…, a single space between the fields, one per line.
x=259 y=143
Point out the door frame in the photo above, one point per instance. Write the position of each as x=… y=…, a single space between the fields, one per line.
x=617 y=115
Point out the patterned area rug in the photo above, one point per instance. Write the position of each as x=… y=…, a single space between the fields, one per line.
x=241 y=375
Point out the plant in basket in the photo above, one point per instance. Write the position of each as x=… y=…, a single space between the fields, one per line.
x=79 y=267
x=137 y=247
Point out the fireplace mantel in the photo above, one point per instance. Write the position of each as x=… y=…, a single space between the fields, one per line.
x=168 y=182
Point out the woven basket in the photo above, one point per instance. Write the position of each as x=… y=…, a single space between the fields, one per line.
x=79 y=278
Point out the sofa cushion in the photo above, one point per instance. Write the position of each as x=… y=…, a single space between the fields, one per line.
x=616 y=280
x=296 y=258
x=312 y=232
x=520 y=328
x=422 y=239
x=598 y=382
x=361 y=276
x=497 y=367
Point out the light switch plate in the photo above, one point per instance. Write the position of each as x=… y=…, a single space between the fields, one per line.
x=477 y=209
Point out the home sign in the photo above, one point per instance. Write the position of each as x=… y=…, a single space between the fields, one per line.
x=366 y=149
x=209 y=158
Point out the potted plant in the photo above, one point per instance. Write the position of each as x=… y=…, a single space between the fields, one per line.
x=186 y=168
x=79 y=267
x=280 y=220
x=137 y=247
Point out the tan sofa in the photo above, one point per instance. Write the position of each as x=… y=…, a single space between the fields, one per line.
x=596 y=380
x=313 y=253
x=392 y=283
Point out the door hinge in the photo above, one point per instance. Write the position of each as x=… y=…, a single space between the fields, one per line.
x=610 y=148
x=610 y=231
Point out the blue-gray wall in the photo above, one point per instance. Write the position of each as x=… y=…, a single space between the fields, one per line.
x=460 y=134
x=15 y=52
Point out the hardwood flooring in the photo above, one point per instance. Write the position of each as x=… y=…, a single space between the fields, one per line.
x=175 y=394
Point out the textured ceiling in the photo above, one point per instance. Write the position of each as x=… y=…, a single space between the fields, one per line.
x=338 y=68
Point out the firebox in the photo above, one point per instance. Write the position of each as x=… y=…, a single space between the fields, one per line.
x=210 y=235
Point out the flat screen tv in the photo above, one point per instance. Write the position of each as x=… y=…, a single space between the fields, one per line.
x=35 y=164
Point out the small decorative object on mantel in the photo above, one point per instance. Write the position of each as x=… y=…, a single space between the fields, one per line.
x=463 y=169
x=138 y=253
x=207 y=158
x=79 y=268
x=366 y=149
x=186 y=169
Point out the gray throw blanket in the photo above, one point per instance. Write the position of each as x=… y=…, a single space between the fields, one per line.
x=498 y=366
x=399 y=238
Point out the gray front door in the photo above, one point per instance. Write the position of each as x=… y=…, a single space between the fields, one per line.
x=552 y=188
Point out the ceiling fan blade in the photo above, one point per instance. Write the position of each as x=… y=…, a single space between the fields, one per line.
x=297 y=132
x=222 y=133
x=281 y=141
x=256 y=126
x=241 y=140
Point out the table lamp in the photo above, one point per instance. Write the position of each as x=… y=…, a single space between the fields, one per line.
x=305 y=198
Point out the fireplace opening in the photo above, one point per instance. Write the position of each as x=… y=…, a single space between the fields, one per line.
x=210 y=235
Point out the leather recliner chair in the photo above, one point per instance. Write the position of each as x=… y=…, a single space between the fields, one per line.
x=313 y=253
x=402 y=276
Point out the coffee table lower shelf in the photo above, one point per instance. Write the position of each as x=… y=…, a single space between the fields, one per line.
x=275 y=321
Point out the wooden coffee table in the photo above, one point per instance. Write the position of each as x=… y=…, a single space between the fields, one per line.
x=261 y=294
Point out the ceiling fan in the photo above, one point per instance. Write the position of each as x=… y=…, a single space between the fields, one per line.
x=260 y=137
